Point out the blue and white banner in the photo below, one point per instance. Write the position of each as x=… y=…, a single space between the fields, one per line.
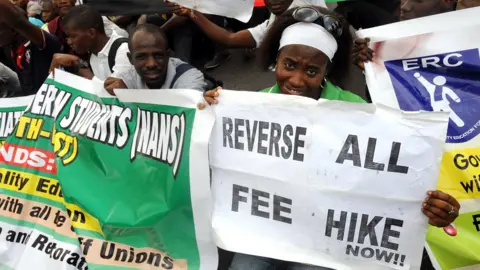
x=433 y=64
x=442 y=82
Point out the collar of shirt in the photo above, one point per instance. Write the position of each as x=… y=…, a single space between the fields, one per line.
x=99 y=62
x=330 y=92
x=106 y=48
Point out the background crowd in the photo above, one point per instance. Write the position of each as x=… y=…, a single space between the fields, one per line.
x=180 y=48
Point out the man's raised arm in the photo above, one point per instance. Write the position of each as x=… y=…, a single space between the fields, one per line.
x=241 y=39
x=16 y=18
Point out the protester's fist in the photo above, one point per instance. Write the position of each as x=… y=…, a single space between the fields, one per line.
x=440 y=208
x=185 y=12
x=211 y=97
x=63 y=60
x=114 y=83
x=174 y=8
x=361 y=52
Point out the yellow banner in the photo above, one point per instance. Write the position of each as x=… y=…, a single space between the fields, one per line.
x=47 y=188
x=460 y=174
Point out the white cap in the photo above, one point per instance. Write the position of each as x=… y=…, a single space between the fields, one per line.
x=310 y=34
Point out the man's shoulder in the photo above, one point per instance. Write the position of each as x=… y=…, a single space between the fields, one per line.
x=177 y=62
x=183 y=67
x=121 y=44
x=53 y=24
x=186 y=75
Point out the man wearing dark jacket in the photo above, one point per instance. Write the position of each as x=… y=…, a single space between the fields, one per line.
x=28 y=49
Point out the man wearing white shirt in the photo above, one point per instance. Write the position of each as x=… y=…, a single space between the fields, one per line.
x=252 y=37
x=152 y=68
x=86 y=34
x=99 y=61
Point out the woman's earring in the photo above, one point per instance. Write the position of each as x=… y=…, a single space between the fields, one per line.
x=325 y=82
x=273 y=67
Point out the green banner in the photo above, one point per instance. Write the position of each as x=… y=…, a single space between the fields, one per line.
x=11 y=109
x=107 y=182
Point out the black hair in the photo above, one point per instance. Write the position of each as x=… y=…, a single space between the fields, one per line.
x=341 y=60
x=47 y=2
x=148 y=28
x=84 y=17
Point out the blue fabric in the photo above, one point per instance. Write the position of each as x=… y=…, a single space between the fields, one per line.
x=35 y=21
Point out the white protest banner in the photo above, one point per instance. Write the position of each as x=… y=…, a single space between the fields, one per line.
x=326 y=183
x=433 y=64
x=237 y=9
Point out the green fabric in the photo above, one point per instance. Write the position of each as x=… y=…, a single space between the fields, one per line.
x=330 y=92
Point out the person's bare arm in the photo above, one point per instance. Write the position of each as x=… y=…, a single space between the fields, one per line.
x=17 y=20
x=242 y=39
x=142 y=19
x=86 y=73
x=174 y=22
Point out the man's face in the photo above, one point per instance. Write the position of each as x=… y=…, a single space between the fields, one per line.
x=79 y=40
x=7 y=35
x=150 y=57
x=48 y=13
x=413 y=9
x=278 y=7
x=21 y=4
x=63 y=6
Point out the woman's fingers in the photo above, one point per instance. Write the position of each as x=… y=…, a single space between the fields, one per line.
x=437 y=194
x=441 y=208
x=435 y=220
x=438 y=207
x=361 y=41
x=371 y=54
x=361 y=51
x=211 y=96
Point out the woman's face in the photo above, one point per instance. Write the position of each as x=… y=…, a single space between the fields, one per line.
x=300 y=70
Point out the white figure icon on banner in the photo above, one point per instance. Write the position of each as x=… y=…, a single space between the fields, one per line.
x=442 y=104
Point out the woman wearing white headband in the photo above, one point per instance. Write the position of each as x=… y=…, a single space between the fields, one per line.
x=311 y=48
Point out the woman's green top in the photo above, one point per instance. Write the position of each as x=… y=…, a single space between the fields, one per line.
x=330 y=92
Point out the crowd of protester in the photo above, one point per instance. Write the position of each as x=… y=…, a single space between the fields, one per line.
x=306 y=45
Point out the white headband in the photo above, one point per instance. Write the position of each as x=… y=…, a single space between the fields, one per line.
x=310 y=34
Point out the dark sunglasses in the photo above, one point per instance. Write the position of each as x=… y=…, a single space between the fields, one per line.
x=311 y=15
